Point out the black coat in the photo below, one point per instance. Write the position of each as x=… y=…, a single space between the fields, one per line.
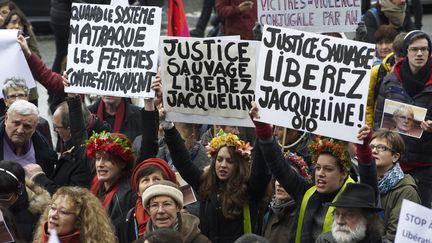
x=213 y=224
x=416 y=149
x=72 y=167
x=25 y=221
x=45 y=156
x=132 y=123
x=123 y=200
x=296 y=185
x=372 y=24
x=126 y=231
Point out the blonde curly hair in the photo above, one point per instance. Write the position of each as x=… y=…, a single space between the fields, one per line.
x=93 y=222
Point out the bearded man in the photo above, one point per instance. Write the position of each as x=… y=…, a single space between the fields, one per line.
x=355 y=218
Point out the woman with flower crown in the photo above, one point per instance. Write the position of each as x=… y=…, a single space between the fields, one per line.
x=230 y=189
x=331 y=161
x=114 y=161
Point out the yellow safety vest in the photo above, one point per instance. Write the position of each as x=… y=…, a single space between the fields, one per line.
x=247 y=225
x=328 y=220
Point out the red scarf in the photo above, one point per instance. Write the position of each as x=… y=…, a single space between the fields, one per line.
x=108 y=197
x=120 y=112
x=71 y=238
x=142 y=217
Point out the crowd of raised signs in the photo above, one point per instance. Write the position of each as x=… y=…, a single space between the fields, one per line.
x=121 y=172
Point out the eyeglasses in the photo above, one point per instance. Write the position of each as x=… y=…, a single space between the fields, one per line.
x=325 y=169
x=60 y=211
x=380 y=147
x=16 y=96
x=57 y=127
x=415 y=50
x=165 y=205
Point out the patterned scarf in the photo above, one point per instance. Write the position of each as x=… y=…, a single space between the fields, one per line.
x=390 y=179
x=394 y=13
x=277 y=206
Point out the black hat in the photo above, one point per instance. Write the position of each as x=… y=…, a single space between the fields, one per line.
x=356 y=195
x=410 y=35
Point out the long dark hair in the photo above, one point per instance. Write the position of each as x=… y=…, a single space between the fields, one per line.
x=23 y=19
x=233 y=193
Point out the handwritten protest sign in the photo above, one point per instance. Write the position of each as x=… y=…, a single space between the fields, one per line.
x=12 y=61
x=311 y=15
x=113 y=50
x=209 y=81
x=312 y=82
x=415 y=223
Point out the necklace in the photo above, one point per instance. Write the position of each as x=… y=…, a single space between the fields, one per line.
x=284 y=147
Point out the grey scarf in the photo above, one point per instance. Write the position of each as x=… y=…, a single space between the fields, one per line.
x=394 y=13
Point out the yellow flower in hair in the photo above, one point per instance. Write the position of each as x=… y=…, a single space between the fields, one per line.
x=230 y=140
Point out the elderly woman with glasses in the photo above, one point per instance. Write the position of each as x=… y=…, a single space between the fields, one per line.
x=163 y=201
x=76 y=215
x=386 y=148
x=403 y=117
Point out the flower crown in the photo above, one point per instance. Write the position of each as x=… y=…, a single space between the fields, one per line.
x=230 y=140
x=299 y=163
x=116 y=146
x=333 y=147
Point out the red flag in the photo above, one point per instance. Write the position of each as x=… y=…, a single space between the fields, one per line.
x=177 y=25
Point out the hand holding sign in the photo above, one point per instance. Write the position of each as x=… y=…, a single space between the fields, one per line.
x=24 y=46
x=313 y=83
x=253 y=112
x=363 y=133
x=210 y=81
x=113 y=50
x=156 y=86
x=426 y=125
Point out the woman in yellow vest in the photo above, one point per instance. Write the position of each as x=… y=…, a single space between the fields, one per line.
x=331 y=161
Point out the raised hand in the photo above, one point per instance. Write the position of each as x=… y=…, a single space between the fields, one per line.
x=23 y=43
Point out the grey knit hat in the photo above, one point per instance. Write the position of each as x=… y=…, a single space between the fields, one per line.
x=162 y=188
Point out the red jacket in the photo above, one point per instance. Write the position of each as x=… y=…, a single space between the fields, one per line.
x=236 y=22
x=52 y=81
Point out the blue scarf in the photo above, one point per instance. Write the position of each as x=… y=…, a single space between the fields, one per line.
x=390 y=179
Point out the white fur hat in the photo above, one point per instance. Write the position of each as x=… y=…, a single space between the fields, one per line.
x=162 y=188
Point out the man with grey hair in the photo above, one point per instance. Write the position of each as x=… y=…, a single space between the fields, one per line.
x=19 y=140
x=355 y=218
x=16 y=89
x=72 y=168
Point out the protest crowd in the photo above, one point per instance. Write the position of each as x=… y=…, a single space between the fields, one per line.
x=293 y=137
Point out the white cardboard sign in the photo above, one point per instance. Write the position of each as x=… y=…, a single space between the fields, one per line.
x=314 y=83
x=12 y=61
x=311 y=15
x=415 y=223
x=208 y=81
x=113 y=50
